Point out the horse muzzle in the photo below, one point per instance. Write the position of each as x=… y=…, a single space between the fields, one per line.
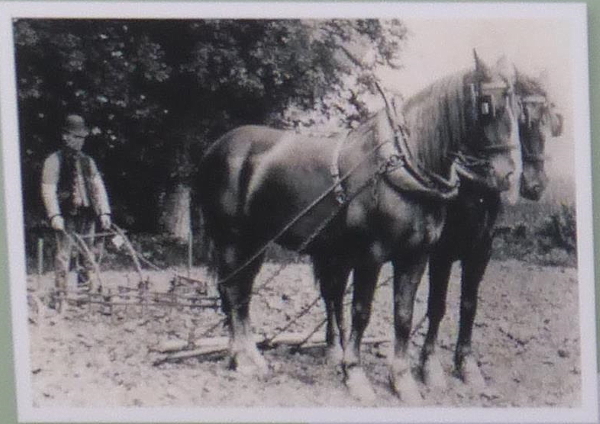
x=532 y=190
x=506 y=182
x=502 y=168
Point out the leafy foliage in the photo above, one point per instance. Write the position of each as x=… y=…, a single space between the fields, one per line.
x=560 y=228
x=543 y=232
x=157 y=92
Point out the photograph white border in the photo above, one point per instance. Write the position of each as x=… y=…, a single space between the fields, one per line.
x=576 y=13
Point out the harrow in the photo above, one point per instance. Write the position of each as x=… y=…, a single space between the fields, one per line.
x=183 y=291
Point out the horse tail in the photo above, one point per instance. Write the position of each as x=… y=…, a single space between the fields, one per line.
x=200 y=200
x=206 y=232
x=209 y=251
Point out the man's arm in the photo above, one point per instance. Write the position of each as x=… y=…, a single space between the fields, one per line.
x=50 y=173
x=100 y=196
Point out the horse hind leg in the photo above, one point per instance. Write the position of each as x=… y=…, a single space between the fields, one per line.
x=430 y=367
x=235 y=291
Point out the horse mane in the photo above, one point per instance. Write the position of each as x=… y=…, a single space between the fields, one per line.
x=528 y=85
x=437 y=121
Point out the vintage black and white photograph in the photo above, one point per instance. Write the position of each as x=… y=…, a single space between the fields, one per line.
x=299 y=211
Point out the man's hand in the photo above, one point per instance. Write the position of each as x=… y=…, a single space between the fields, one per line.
x=57 y=223
x=105 y=222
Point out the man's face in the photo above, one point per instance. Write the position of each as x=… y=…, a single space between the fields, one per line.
x=73 y=141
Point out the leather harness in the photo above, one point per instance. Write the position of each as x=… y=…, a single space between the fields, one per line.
x=418 y=179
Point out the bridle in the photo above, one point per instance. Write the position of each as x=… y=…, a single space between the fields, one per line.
x=525 y=118
x=476 y=167
x=416 y=178
x=484 y=104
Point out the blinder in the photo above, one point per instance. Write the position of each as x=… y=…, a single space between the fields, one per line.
x=527 y=102
x=483 y=99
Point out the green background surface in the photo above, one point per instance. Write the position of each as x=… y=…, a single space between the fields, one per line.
x=8 y=413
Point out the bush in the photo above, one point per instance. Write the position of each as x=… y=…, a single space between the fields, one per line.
x=560 y=229
x=544 y=234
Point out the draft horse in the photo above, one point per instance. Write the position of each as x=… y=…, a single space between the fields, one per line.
x=352 y=203
x=468 y=232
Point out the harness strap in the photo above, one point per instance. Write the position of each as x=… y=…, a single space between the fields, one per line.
x=534 y=98
x=468 y=174
x=334 y=170
x=498 y=148
x=225 y=280
x=420 y=180
x=533 y=157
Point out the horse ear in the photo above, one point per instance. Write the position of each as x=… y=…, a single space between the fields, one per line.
x=544 y=79
x=505 y=69
x=481 y=69
x=502 y=63
x=517 y=73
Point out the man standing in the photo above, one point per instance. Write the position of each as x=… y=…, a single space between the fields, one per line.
x=74 y=198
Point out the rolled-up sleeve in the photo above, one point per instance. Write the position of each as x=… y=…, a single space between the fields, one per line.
x=50 y=174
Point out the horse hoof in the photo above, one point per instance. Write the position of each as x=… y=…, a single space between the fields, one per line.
x=470 y=374
x=334 y=355
x=432 y=374
x=359 y=385
x=405 y=387
x=249 y=365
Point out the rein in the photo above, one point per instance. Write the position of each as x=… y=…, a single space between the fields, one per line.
x=402 y=159
x=422 y=182
x=334 y=188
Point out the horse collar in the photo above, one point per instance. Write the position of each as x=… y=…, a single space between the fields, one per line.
x=419 y=179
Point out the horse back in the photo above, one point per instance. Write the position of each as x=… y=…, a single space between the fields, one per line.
x=257 y=179
x=220 y=172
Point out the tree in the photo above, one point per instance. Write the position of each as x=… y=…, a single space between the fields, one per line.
x=158 y=92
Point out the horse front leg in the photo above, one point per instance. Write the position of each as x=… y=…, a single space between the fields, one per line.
x=430 y=367
x=407 y=275
x=473 y=268
x=365 y=280
x=235 y=294
x=332 y=275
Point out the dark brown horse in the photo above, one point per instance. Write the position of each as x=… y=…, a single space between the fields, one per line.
x=352 y=203
x=468 y=232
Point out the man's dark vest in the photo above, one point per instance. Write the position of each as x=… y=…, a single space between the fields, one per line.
x=66 y=181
